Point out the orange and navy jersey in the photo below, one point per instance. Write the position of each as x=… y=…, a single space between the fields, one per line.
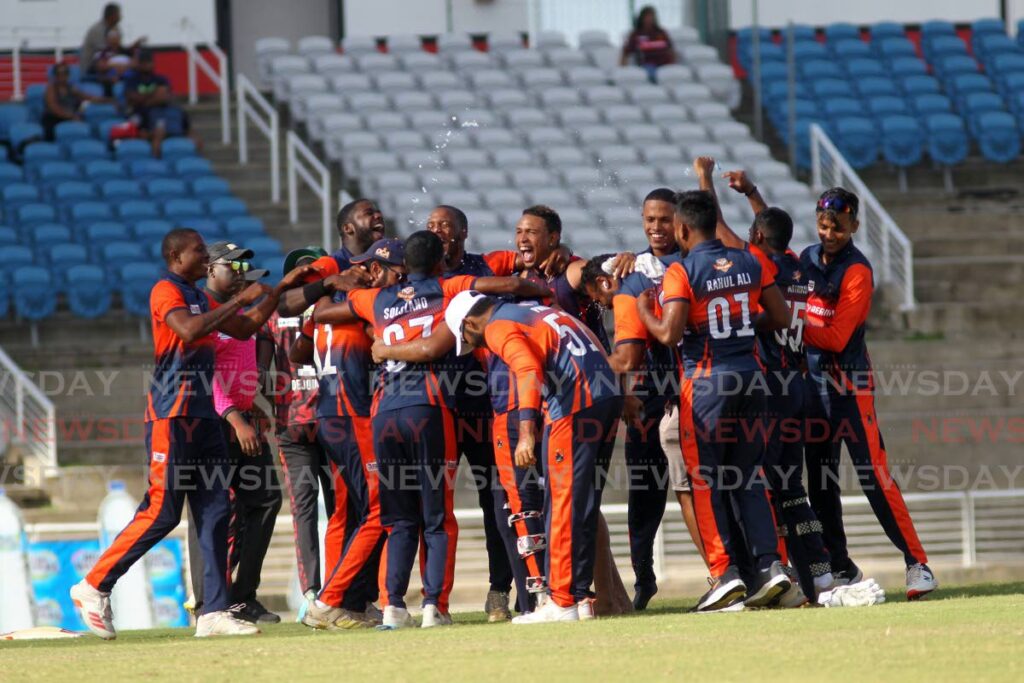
x=496 y=263
x=182 y=383
x=344 y=366
x=723 y=287
x=402 y=313
x=295 y=386
x=784 y=349
x=660 y=362
x=838 y=303
x=552 y=356
x=580 y=306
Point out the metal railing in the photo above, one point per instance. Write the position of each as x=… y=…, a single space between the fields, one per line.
x=250 y=105
x=17 y=39
x=218 y=75
x=302 y=163
x=889 y=248
x=29 y=417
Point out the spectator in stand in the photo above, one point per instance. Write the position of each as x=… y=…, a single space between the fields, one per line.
x=149 y=96
x=95 y=40
x=648 y=44
x=110 y=64
x=62 y=100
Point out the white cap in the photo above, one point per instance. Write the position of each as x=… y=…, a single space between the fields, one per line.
x=455 y=314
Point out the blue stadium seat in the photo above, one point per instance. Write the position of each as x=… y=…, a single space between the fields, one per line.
x=35 y=95
x=19 y=194
x=144 y=169
x=902 y=140
x=149 y=231
x=943 y=46
x=778 y=91
x=851 y=49
x=210 y=186
x=1020 y=32
x=841 y=31
x=243 y=228
x=1007 y=63
x=4 y=155
x=193 y=167
x=9 y=173
x=97 y=112
x=930 y=29
x=920 y=85
x=998 y=136
x=31 y=215
x=121 y=189
x=858 y=140
x=12 y=258
x=988 y=46
x=947 y=140
x=115 y=254
x=968 y=84
x=11 y=114
x=831 y=87
x=207 y=227
x=274 y=264
x=101 y=170
x=95 y=89
x=74 y=73
x=841 y=107
x=72 y=192
x=82 y=214
x=772 y=72
x=770 y=54
x=866 y=68
x=38 y=153
x=22 y=133
x=66 y=131
x=8 y=236
x=5 y=299
x=894 y=48
x=102 y=232
x=820 y=68
x=64 y=256
x=138 y=210
x=87 y=150
x=51 y=173
x=902 y=67
x=130 y=150
x=265 y=247
x=948 y=67
x=746 y=35
x=877 y=87
x=34 y=295
x=104 y=127
x=808 y=50
x=988 y=27
x=156 y=252
x=802 y=33
x=137 y=279
x=177 y=148
x=166 y=188
x=48 y=234
x=979 y=103
x=223 y=207
x=882 y=107
x=183 y=210
x=926 y=105
x=90 y=296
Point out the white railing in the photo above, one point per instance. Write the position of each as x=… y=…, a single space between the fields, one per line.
x=18 y=38
x=219 y=75
x=250 y=105
x=302 y=163
x=29 y=418
x=890 y=250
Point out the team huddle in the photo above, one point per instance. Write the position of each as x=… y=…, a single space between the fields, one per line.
x=393 y=359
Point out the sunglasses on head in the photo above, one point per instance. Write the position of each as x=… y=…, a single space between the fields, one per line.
x=835 y=204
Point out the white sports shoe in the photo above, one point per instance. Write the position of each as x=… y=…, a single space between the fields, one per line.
x=395 y=618
x=94 y=608
x=920 y=581
x=223 y=623
x=585 y=608
x=862 y=594
x=432 y=617
x=549 y=612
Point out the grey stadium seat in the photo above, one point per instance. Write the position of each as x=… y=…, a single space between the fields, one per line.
x=319 y=104
x=376 y=162
x=684 y=133
x=439 y=179
x=294 y=86
x=698 y=54
x=579 y=177
x=555 y=197
x=440 y=81
x=420 y=160
x=601 y=198
x=359 y=141
x=288 y=64
x=453 y=101
x=545 y=39
x=537 y=79
x=463 y=199
x=647 y=95
x=722 y=82
x=622 y=114
x=620 y=218
x=376 y=62
x=735 y=215
x=494 y=240
x=681 y=35
x=414 y=102
x=579 y=76
x=659 y=114
x=657 y=155
x=381 y=121
x=750 y=151
x=347 y=84
x=678 y=176
x=531 y=178
x=394 y=82
x=565 y=57
x=594 y=39
x=546 y=136
x=612 y=156
x=526 y=118
x=471 y=61
x=597 y=241
x=482 y=179
x=555 y=98
x=311 y=46
x=600 y=95
x=359 y=45
x=413 y=199
x=504 y=199
x=504 y=42
x=403 y=43
x=453 y=138
x=729 y=132
x=564 y=157
x=478 y=118
x=574 y=117
x=420 y=62
x=465 y=159
x=494 y=138
x=519 y=60
x=332 y=64
x=643 y=134
x=671 y=74
x=769 y=170
x=334 y=124
x=708 y=113
x=482 y=220
x=604 y=57
x=428 y=121
x=491 y=79
x=628 y=75
x=395 y=181
x=454 y=43
x=404 y=140
x=365 y=102
x=576 y=221
x=598 y=136
x=636 y=174
x=506 y=98
x=508 y=158
x=689 y=93
x=266 y=50
x=706 y=149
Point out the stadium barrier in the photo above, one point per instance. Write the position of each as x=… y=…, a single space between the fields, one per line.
x=250 y=105
x=218 y=76
x=15 y=39
x=889 y=248
x=302 y=163
x=29 y=416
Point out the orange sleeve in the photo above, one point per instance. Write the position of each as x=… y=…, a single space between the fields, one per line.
x=164 y=298
x=502 y=263
x=851 y=311
x=676 y=285
x=308 y=326
x=361 y=302
x=628 y=326
x=510 y=342
x=325 y=266
x=453 y=285
x=768 y=268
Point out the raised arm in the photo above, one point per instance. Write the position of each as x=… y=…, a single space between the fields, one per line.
x=421 y=350
x=329 y=312
x=511 y=286
x=669 y=329
x=851 y=310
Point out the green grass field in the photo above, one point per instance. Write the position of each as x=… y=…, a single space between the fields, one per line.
x=963 y=632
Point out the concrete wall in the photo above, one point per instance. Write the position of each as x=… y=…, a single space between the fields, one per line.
x=291 y=19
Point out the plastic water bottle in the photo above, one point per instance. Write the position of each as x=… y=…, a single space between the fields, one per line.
x=130 y=600
x=296 y=600
x=16 y=599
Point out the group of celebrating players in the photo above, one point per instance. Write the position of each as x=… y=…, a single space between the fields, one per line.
x=393 y=359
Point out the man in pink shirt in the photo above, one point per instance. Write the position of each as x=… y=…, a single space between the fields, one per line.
x=256 y=490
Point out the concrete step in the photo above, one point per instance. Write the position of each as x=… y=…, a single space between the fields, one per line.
x=967 y=319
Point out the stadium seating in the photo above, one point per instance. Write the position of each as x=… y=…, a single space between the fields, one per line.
x=977 y=83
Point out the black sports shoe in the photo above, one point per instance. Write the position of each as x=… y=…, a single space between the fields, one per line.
x=643 y=596
x=254 y=612
x=772 y=582
x=852 y=574
x=724 y=591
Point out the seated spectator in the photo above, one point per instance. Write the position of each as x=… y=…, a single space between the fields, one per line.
x=95 y=39
x=648 y=45
x=111 y=63
x=148 y=95
x=62 y=101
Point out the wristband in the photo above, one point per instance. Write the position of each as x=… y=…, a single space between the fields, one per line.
x=314 y=291
x=753 y=189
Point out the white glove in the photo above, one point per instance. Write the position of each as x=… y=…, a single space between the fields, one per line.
x=863 y=594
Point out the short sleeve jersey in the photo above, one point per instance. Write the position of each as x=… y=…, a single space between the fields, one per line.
x=784 y=349
x=295 y=386
x=344 y=367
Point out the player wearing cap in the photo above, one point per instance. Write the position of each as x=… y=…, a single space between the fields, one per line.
x=187 y=454
x=839 y=288
x=714 y=296
x=341 y=352
x=307 y=469
x=412 y=425
x=553 y=356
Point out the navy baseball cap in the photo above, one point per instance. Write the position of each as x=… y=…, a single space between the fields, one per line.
x=388 y=250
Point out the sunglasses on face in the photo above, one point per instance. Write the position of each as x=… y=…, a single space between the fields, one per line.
x=835 y=204
x=237 y=266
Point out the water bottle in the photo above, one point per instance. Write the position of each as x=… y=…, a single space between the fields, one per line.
x=130 y=600
x=16 y=598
